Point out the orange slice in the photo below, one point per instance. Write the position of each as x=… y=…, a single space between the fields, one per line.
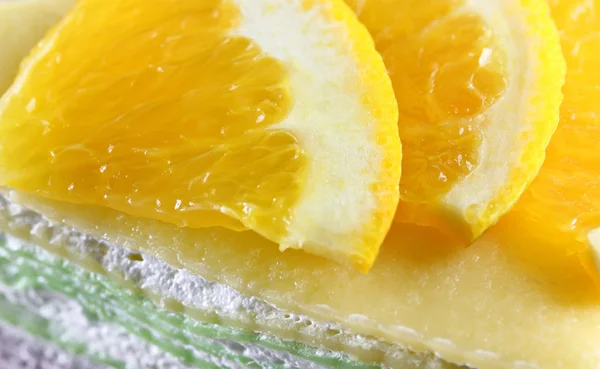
x=478 y=85
x=559 y=214
x=268 y=115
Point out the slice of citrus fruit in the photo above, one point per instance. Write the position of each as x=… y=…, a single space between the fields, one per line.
x=275 y=116
x=559 y=214
x=478 y=88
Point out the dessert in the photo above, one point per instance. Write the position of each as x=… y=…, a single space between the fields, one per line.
x=140 y=291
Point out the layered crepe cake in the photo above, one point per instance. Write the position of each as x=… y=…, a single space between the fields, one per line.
x=96 y=287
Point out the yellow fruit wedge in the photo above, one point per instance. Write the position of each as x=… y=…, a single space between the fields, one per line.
x=559 y=214
x=478 y=85
x=262 y=114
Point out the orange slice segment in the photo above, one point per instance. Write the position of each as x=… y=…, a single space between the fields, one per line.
x=478 y=85
x=273 y=116
x=559 y=214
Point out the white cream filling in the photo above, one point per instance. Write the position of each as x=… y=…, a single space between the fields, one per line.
x=111 y=341
x=20 y=350
x=102 y=339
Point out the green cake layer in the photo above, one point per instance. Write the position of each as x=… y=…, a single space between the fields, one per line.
x=30 y=269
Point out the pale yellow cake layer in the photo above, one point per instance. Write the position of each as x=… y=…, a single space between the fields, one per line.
x=481 y=305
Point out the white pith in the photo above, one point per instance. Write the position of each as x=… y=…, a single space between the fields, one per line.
x=333 y=126
x=505 y=135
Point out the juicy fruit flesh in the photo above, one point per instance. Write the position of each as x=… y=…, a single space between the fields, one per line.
x=167 y=117
x=562 y=205
x=446 y=71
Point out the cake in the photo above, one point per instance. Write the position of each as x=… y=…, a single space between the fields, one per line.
x=101 y=286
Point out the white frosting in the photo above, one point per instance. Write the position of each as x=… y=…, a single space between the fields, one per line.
x=213 y=300
x=20 y=350
x=111 y=341
x=102 y=339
